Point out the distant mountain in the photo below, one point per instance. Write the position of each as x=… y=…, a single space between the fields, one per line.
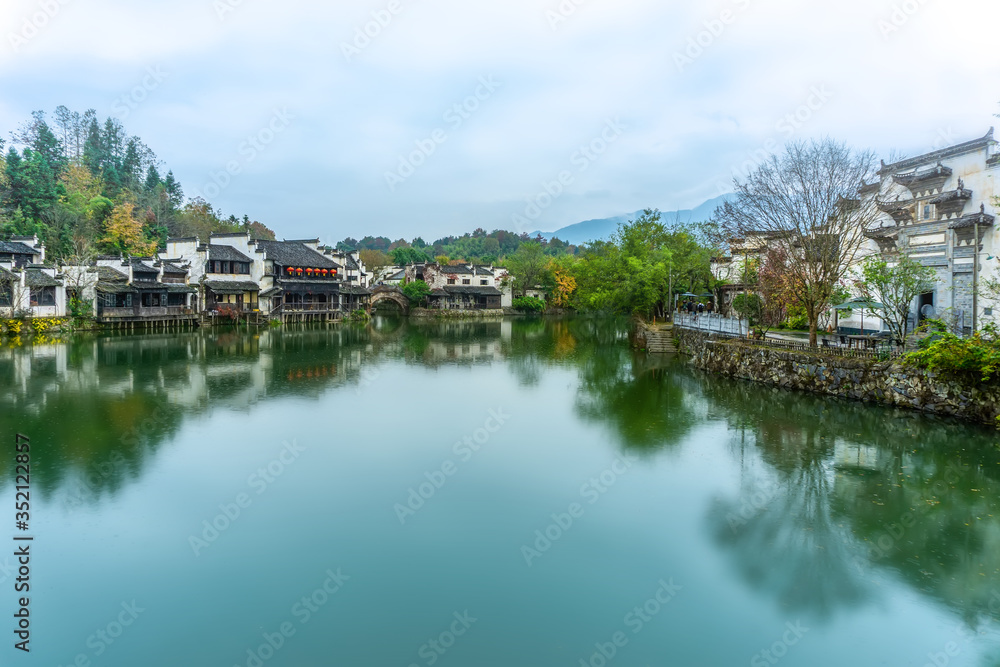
x=602 y=229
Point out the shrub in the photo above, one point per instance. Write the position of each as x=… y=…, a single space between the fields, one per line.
x=973 y=359
x=416 y=291
x=529 y=304
x=360 y=316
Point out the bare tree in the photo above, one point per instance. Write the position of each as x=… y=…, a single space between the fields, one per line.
x=13 y=293
x=805 y=202
x=80 y=276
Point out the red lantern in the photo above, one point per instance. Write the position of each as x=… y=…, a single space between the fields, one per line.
x=298 y=271
x=326 y=272
x=291 y=270
x=309 y=272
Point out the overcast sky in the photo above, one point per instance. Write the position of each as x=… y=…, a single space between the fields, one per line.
x=356 y=134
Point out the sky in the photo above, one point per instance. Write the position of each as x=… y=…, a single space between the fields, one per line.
x=434 y=117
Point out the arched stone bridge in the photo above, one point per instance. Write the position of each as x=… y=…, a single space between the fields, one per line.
x=390 y=293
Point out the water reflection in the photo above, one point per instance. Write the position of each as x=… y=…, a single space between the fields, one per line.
x=829 y=497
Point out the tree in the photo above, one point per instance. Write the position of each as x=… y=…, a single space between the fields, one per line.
x=404 y=256
x=125 y=234
x=416 y=291
x=374 y=260
x=805 y=201
x=527 y=266
x=895 y=287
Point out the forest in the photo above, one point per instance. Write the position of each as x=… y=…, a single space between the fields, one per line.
x=87 y=187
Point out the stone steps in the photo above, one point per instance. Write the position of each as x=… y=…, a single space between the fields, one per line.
x=660 y=341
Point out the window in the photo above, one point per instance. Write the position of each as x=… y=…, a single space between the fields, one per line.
x=466 y=281
x=484 y=282
x=928 y=212
x=6 y=295
x=43 y=296
x=451 y=281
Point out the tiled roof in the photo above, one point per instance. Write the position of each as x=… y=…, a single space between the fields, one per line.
x=293 y=253
x=16 y=248
x=357 y=291
x=174 y=269
x=951 y=151
x=226 y=253
x=107 y=274
x=36 y=278
x=457 y=269
x=472 y=289
x=232 y=286
x=114 y=288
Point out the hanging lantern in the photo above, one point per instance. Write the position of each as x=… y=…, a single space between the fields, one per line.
x=326 y=272
x=298 y=271
x=291 y=270
x=309 y=272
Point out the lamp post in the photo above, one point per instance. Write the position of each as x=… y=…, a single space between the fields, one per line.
x=975 y=277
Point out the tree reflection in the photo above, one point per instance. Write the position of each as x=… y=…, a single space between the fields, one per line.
x=850 y=490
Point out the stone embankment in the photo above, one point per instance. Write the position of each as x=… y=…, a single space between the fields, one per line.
x=862 y=379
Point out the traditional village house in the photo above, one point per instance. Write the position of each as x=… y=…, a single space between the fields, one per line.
x=22 y=251
x=940 y=209
x=27 y=285
x=462 y=286
x=140 y=291
x=300 y=282
x=226 y=270
x=357 y=280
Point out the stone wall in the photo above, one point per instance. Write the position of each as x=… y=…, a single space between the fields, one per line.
x=883 y=382
x=442 y=313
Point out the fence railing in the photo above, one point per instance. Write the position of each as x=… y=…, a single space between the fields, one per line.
x=711 y=322
x=880 y=349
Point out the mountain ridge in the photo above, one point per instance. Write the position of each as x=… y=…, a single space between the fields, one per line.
x=601 y=229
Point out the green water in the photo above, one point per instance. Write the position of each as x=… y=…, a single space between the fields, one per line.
x=491 y=494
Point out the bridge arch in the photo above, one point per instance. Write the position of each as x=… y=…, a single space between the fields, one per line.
x=393 y=294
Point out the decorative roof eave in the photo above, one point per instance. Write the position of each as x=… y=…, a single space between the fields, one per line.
x=961 y=194
x=983 y=219
x=900 y=211
x=882 y=233
x=923 y=180
x=951 y=151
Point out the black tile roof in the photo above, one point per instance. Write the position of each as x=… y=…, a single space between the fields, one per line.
x=16 y=248
x=36 y=278
x=114 y=288
x=232 y=286
x=983 y=218
x=226 y=253
x=293 y=253
x=174 y=269
x=357 y=291
x=950 y=151
x=457 y=269
x=107 y=274
x=472 y=289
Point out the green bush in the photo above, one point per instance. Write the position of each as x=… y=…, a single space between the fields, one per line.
x=529 y=304
x=797 y=322
x=973 y=359
x=360 y=316
x=416 y=291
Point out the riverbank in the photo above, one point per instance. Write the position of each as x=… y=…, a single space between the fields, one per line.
x=860 y=379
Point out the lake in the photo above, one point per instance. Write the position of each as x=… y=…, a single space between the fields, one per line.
x=519 y=492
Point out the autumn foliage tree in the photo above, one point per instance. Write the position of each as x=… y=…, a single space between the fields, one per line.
x=125 y=234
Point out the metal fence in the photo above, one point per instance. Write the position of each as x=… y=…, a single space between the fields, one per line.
x=711 y=322
x=881 y=349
